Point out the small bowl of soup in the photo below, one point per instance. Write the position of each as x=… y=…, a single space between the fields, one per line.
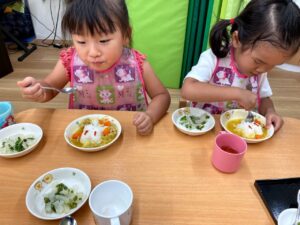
x=93 y=132
x=255 y=131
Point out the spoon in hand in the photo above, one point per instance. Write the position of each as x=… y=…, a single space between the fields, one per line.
x=68 y=220
x=66 y=90
x=250 y=117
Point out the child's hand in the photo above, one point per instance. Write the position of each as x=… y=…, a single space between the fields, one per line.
x=31 y=89
x=143 y=123
x=247 y=99
x=275 y=119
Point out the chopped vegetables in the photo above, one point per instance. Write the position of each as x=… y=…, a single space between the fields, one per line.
x=62 y=199
x=194 y=122
x=16 y=143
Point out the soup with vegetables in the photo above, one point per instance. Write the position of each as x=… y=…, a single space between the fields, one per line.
x=93 y=132
x=251 y=130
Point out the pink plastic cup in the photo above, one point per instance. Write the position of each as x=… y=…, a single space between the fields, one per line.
x=228 y=152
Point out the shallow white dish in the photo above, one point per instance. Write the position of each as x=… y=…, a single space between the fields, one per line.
x=241 y=113
x=20 y=129
x=73 y=126
x=287 y=217
x=71 y=177
x=179 y=113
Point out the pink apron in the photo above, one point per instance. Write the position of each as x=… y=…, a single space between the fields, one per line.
x=120 y=87
x=226 y=74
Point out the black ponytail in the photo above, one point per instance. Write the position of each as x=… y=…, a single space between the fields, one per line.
x=219 y=39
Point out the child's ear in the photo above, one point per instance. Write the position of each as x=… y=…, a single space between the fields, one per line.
x=127 y=37
x=235 y=39
x=125 y=41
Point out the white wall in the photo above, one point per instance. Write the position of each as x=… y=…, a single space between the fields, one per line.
x=41 y=10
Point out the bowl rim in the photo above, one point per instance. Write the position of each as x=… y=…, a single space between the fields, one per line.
x=94 y=149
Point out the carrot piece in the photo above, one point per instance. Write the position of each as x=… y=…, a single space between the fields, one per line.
x=258 y=136
x=257 y=122
x=106 y=131
x=107 y=123
x=77 y=134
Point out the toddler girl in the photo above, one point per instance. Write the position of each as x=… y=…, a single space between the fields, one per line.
x=232 y=73
x=107 y=75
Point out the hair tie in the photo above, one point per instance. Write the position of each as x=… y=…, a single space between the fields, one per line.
x=231 y=21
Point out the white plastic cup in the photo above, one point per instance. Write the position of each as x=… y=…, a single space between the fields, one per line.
x=111 y=203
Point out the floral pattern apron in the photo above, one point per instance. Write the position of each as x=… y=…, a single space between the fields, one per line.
x=226 y=74
x=121 y=87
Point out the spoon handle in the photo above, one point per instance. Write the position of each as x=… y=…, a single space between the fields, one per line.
x=50 y=88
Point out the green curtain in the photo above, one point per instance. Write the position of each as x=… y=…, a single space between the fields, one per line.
x=194 y=36
x=202 y=15
x=159 y=33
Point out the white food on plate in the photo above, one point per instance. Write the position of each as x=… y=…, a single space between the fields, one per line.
x=249 y=129
x=92 y=133
x=61 y=199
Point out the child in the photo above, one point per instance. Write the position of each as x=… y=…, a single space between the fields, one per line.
x=232 y=73
x=108 y=75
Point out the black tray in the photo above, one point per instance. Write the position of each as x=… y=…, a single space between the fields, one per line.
x=278 y=194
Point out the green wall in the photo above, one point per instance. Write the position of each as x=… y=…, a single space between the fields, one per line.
x=158 y=31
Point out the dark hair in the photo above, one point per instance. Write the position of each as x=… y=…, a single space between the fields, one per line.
x=96 y=16
x=273 y=21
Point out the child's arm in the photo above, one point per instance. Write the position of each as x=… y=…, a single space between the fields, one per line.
x=268 y=110
x=160 y=102
x=31 y=88
x=197 y=91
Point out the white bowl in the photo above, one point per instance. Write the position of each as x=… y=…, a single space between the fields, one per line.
x=241 y=113
x=179 y=113
x=287 y=217
x=20 y=129
x=73 y=126
x=71 y=177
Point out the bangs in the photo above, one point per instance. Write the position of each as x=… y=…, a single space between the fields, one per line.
x=87 y=19
x=91 y=25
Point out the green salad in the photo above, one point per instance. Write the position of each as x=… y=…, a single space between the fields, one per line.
x=191 y=122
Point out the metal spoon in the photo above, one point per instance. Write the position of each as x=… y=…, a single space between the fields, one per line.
x=250 y=117
x=298 y=210
x=66 y=90
x=68 y=220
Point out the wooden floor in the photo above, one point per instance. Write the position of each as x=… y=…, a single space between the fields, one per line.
x=285 y=85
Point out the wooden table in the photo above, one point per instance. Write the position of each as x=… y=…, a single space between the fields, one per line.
x=169 y=172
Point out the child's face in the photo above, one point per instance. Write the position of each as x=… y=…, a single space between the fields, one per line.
x=260 y=59
x=99 y=52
